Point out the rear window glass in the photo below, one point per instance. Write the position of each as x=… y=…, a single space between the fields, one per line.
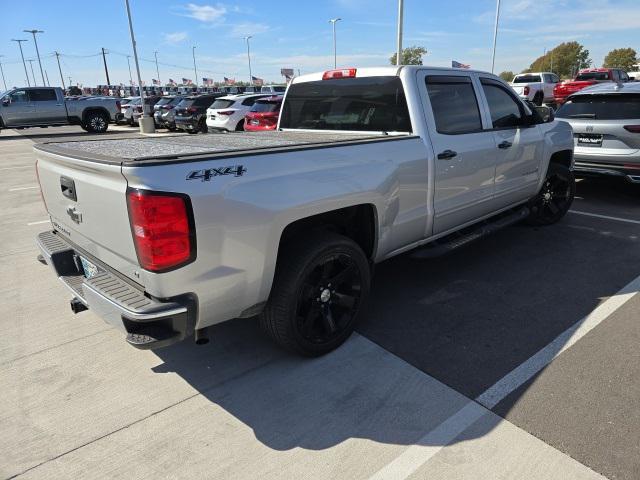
x=204 y=102
x=527 y=79
x=593 y=76
x=164 y=101
x=454 y=104
x=186 y=103
x=264 y=106
x=222 y=103
x=358 y=104
x=602 y=107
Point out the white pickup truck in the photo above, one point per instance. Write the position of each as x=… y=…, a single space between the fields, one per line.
x=47 y=107
x=164 y=237
x=535 y=87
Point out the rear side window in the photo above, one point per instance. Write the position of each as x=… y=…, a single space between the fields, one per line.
x=222 y=104
x=527 y=79
x=43 y=95
x=454 y=104
x=602 y=107
x=357 y=104
x=504 y=108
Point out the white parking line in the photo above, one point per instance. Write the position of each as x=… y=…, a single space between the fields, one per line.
x=38 y=223
x=606 y=217
x=430 y=444
x=15 y=168
x=17 y=189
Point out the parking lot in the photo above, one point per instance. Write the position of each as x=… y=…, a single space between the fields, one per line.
x=516 y=357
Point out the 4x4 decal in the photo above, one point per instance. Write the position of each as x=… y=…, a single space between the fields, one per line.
x=207 y=174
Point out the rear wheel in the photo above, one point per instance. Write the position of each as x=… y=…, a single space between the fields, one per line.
x=240 y=126
x=555 y=197
x=538 y=98
x=96 y=122
x=202 y=126
x=319 y=288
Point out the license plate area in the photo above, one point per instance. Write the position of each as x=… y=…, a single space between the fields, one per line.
x=89 y=269
x=590 y=139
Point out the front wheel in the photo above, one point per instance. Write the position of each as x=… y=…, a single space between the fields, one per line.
x=320 y=285
x=554 y=198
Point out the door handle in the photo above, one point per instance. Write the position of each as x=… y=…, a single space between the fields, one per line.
x=447 y=155
x=505 y=145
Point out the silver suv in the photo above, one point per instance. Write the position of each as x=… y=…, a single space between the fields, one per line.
x=606 y=127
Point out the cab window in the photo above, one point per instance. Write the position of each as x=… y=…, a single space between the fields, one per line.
x=19 y=96
x=506 y=111
x=454 y=104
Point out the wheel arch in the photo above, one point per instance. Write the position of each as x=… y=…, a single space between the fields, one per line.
x=563 y=157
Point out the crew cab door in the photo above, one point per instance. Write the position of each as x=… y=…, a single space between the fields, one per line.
x=518 y=147
x=49 y=108
x=465 y=154
x=19 y=110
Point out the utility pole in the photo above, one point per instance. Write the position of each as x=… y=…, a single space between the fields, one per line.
x=333 y=23
x=60 y=70
x=129 y=65
x=69 y=81
x=46 y=75
x=32 y=74
x=400 y=23
x=2 y=72
x=195 y=69
x=157 y=70
x=249 y=58
x=23 y=62
x=495 y=36
x=106 y=70
x=33 y=32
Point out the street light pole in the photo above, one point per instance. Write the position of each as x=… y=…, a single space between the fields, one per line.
x=19 y=42
x=157 y=70
x=400 y=24
x=195 y=69
x=106 y=70
x=146 y=123
x=33 y=32
x=60 y=70
x=46 y=75
x=2 y=72
x=249 y=58
x=129 y=65
x=495 y=36
x=32 y=74
x=333 y=22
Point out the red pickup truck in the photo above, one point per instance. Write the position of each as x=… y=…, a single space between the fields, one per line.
x=585 y=78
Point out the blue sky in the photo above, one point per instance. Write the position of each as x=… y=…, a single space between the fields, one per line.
x=297 y=34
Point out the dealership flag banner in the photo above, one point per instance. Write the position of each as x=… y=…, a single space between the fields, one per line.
x=207 y=81
x=257 y=81
x=455 y=64
x=229 y=81
x=172 y=82
x=155 y=82
x=287 y=73
x=187 y=81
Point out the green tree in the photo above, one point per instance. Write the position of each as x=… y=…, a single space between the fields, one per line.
x=410 y=56
x=623 y=58
x=507 y=76
x=563 y=60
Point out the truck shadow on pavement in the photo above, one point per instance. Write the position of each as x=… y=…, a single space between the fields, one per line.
x=466 y=320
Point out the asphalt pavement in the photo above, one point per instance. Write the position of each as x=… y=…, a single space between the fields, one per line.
x=513 y=358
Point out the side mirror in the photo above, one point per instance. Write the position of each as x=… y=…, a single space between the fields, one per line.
x=6 y=101
x=546 y=113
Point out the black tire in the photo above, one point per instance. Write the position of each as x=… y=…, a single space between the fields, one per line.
x=240 y=126
x=96 y=122
x=202 y=127
x=554 y=198
x=538 y=98
x=309 y=322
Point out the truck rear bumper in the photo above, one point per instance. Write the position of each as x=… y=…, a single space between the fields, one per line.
x=148 y=322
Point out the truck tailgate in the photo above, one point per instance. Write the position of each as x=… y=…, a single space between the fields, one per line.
x=87 y=204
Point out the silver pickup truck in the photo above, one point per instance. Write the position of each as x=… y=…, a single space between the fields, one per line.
x=47 y=107
x=164 y=237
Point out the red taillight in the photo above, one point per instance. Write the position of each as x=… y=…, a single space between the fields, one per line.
x=225 y=112
x=192 y=109
x=526 y=90
x=632 y=128
x=340 y=73
x=162 y=230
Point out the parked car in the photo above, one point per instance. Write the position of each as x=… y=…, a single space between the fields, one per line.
x=164 y=112
x=586 y=78
x=535 y=87
x=275 y=89
x=606 y=126
x=125 y=103
x=227 y=113
x=366 y=164
x=127 y=115
x=149 y=103
x=191 y=112
x=264 y=114
x=47 y=107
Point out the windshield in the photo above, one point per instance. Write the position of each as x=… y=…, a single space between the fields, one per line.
x=222 y=104
x=602 y=107
x=593 y=76
x=266 y=106
x=527 y=79
x=358 y=104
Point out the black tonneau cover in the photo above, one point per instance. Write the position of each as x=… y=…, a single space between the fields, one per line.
x=181 y=148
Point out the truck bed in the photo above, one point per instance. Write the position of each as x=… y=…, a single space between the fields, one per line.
x=180 y=148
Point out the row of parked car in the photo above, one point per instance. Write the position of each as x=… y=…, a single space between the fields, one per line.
x=199 y=113
x=546 y=87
